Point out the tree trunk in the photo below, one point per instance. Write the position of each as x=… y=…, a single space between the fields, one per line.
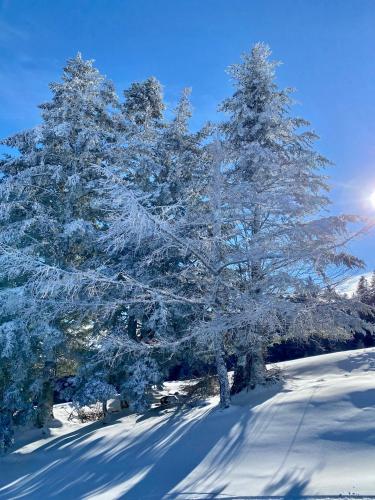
x=106 y=415
x=217 y=222
x=132 y=327
x=45 y=405
x=222 y=375
x=6 y=430
x=258 y=367
x=250 y=370
x=241 y=373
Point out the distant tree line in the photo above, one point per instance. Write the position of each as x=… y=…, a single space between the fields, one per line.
x=363 y=337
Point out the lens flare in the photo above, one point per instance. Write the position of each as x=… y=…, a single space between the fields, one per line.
x=372 y=199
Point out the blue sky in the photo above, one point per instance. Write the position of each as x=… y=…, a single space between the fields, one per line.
x=327 y=47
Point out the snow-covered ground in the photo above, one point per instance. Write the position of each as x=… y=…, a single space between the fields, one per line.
x=311 y=436
x=349 y=286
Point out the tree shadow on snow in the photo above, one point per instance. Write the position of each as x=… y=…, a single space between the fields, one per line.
x=363 y=361
x=153 y=460
x=295 y=484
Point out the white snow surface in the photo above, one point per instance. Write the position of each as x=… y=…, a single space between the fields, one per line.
x=311 y=436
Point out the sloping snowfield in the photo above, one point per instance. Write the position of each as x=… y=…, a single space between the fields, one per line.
x=313 y=436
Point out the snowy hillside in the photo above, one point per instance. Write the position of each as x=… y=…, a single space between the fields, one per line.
x=349 y=286
x=312 y=435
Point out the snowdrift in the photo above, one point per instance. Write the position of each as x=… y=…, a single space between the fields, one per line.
x=313 y=435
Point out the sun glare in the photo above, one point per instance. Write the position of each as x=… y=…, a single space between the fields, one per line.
x=372 y=198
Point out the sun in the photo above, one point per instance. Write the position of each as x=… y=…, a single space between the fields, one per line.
x=372 y=198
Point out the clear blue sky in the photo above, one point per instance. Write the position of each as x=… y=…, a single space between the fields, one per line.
x=327 y=47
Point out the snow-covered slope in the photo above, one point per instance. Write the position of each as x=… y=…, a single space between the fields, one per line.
x=312 y=435
x=349 y=286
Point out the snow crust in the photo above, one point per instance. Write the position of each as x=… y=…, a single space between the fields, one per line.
x=310 y=436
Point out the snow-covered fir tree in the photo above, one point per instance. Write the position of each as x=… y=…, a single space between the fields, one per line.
x=363 y=289
x=145 y=249
x=282 y=244
x=48 y=227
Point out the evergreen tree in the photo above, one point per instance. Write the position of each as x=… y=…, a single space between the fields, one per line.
x=49 y=225
x=279 y=190
x=363 y=289
x=167 y=161
x=372 y=289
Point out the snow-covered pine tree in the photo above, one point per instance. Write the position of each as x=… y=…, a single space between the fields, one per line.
x=372 y=289
x=23 y=344
x=278 y=191
x=364 y=296
x=143 y=241
x=363 y=289
x=48 y=228
x=140 y=120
